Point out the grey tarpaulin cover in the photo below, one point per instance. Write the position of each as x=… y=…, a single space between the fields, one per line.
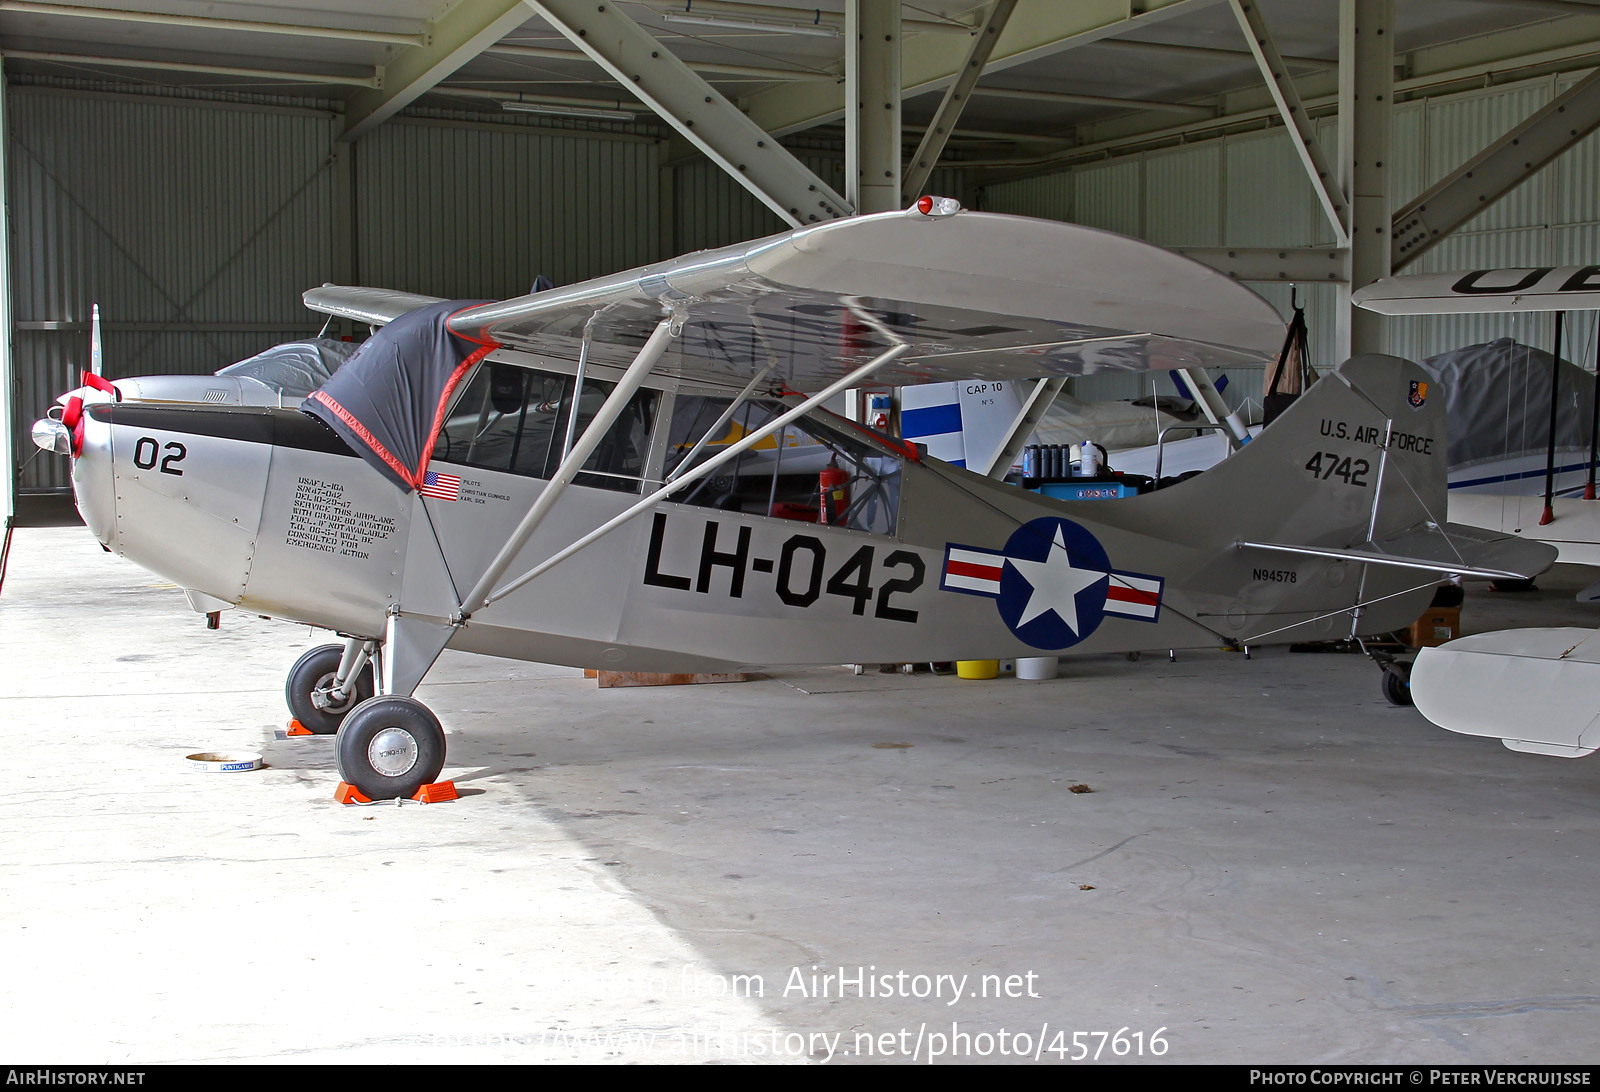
x=1497 y=397
x=388 y=401
x=296 y=368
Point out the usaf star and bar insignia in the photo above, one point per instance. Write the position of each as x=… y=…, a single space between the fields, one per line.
x=1052 y=583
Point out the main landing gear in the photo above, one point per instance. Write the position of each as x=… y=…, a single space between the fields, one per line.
x=314 y=699
x=388 y=746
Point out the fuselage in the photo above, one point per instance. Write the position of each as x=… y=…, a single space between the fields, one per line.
x=914 y=560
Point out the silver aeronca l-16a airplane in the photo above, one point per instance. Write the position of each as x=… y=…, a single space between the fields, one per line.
x=568 y=477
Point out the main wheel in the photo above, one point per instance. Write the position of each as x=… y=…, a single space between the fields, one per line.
x=1397 y=684
x=313 y=673
x=390 y=747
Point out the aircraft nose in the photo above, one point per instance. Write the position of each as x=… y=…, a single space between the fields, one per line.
x=51 y=435
x=92 y=484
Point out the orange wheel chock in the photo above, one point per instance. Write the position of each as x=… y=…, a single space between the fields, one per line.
x=349 y=794
x=436 y=793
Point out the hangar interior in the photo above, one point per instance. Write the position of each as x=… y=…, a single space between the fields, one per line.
x=192 y=167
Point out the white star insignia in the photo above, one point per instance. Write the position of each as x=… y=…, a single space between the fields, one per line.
x=1055 y=583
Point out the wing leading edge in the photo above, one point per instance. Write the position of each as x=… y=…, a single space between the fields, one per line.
x=374 y=306
x=972 y=295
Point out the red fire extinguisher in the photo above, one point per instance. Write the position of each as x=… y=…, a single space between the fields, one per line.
x=834 y=485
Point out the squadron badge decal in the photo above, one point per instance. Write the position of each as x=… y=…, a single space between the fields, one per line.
x=1052 y=583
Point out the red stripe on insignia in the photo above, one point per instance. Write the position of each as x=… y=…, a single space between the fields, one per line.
x=1132 y=595
x=967 y=568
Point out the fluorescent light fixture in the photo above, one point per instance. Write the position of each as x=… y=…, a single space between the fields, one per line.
x=750 y=22
x=551 y=109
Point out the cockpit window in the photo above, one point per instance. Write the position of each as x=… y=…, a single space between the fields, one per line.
x=810 y=470
x=514 y=419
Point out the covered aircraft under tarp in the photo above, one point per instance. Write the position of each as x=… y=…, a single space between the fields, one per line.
x=388 y=401
x=1497 y=400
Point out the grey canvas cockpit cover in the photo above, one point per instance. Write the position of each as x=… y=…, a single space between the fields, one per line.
x=296 y=368
x=1497 y=397
x=388 y=400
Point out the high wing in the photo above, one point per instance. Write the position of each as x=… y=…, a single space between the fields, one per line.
x=374 y=306
x=968 y=294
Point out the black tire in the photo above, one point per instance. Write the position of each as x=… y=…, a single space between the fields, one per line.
x=1397 y=684
x=315 y=670
x=390 y=747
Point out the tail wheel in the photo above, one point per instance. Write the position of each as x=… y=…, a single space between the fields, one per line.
x=312 y=675
x=1397 y=684
x=390 y=747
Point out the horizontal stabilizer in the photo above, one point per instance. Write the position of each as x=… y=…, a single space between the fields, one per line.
x=1452 y=549
x=373 y=306
x=1533 y=689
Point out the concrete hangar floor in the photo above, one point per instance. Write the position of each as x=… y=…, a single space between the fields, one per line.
x=1274 y=864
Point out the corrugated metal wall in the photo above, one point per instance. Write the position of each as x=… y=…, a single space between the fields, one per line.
x=478 y=211
x=194 y=226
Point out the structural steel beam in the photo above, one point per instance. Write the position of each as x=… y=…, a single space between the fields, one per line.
x=465 y=31
x=929 y=62
x=1495 y=171
x=1187 y=108
x=1304 y=265
x=872 y=97
x=715 y=68
x=206 y=22
x=799 y=13
x=1366 y=98
x=1323 y=181
x=944 y=120
x=184 y=66
x=1128 y=44
x=695 y=109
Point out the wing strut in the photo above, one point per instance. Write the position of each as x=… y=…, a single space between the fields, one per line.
x=1375 y=557
x=1034 y=407
x=727 y=415
x=854 y=379
x=578 y=454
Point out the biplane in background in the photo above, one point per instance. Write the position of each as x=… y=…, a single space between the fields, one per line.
x=1533 y=689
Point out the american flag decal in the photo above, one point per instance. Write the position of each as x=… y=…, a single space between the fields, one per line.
x=441 y=486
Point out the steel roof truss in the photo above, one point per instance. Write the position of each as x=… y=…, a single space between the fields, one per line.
x=695 y=109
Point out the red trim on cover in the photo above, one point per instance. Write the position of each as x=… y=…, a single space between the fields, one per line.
x=486 y=347
x=444 y=400
x=366 y=437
